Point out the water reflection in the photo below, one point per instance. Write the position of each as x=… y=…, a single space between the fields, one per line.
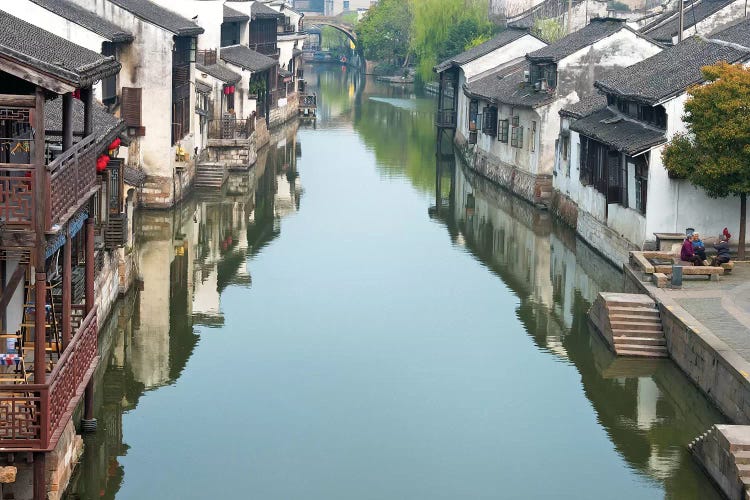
x=401 y=372
x=648 y=408
x=205 y=243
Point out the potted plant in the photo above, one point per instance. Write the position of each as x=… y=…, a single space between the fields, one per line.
x=256 y=87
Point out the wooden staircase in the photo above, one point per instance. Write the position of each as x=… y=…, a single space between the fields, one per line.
x=210 y=175
x=630 y=323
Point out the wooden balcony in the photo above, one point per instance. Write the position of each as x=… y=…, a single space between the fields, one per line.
x=229 y=127
x=33 y=416
x=69 y=181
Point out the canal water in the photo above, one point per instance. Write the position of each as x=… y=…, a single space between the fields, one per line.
x=335 y=324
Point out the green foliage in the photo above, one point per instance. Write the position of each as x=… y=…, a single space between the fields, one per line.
x=618 y=6
x=548 y=29
x=333 y=39
x=445 y=28
x=715 y=154
x=384 y=31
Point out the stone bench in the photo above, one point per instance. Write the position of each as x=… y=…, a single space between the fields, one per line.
x=712 y=272
x=665 y=241
x=727 y=266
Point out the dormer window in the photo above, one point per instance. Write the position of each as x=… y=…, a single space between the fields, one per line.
x=543 y=76
x=653 y=115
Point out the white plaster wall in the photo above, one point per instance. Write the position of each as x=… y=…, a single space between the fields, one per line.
x=502 y=57
x=147 y=63
x=243 y=106
x=523 y=158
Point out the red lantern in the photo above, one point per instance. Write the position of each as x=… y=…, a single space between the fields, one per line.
x=114 y=144
x=101 y=163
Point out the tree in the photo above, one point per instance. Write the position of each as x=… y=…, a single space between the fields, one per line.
x=715 y=153
x=437 y=23
x=548 y=29
x=384 y=31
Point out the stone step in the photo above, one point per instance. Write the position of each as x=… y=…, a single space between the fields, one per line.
x=645 y=311
x=743 y=470
x=651 y=353
x=736 y=447
x=628 y=341
x=635 y=332
x=635 y=325
x=742 y=456
x=646 y=318
x=623 y=300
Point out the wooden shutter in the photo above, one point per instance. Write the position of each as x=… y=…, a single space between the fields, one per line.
x=131 y=106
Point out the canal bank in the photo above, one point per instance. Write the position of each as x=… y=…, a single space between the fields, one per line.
x=363 y=341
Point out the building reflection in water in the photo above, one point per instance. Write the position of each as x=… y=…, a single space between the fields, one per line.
x=649 y=410
x=205 y=243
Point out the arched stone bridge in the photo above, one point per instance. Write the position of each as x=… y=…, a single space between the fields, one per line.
x=335 y=22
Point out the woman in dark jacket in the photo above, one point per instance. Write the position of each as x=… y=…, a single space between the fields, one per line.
x=687 y=254
x=722 y=251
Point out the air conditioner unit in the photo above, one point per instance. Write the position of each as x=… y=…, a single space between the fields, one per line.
x=526 y=77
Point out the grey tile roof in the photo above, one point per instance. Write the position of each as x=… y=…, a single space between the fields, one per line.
x=625 y=135
x=585 y=106
x=502 y=39
x=231 y=15
x=507 y=87
x=596 y=30
x=40 y=49
x=87 y=19
x=667 y=26
x=669 y=72
x=158 y=15
x=106 y=126
x=133 y=176
x=246 y=58
x=260 y=11
x=220 y=72
x=202 y=88
x=738 y=33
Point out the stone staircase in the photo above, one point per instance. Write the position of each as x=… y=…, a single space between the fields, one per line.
x=630 y=323
x=210 y=175
x=724 y=452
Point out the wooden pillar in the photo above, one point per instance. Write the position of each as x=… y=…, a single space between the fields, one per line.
x=67 y=294
x=39 y=257
x=67 y=121
x=40 y=328
x=87 y=96
x=40 y=476
x=90 y=298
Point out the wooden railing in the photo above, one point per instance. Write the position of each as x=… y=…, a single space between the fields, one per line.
x=445 y=118
x=70 y=177
x=33 y=416
x=229 y=127
x=17 y=200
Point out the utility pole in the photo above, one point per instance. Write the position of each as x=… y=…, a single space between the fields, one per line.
x=570 y=14
x=682 y=20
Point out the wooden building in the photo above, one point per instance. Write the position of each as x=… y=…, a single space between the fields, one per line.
x=49 y=186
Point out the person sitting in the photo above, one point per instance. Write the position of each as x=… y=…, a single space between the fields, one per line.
x=687 y=254
x=722 y=251
x=698 y=248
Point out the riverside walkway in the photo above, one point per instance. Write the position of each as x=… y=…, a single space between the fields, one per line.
x=723 y=308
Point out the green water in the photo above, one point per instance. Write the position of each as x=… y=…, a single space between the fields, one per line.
x=329 y=327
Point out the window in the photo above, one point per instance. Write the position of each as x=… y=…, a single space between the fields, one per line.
x=473 y=112
x=109 y=84
x=641 y=183
x=543 y=76
x=502 y=131
x=489 y=124
x=565 y=148
x=533 y=136
x=516 y=133
x=230 y=34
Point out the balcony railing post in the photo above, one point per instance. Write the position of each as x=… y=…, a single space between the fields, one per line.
x=89 y=269
x=40 y=327
x=66 y=291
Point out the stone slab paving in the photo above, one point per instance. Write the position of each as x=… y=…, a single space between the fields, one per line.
x=723 y=307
